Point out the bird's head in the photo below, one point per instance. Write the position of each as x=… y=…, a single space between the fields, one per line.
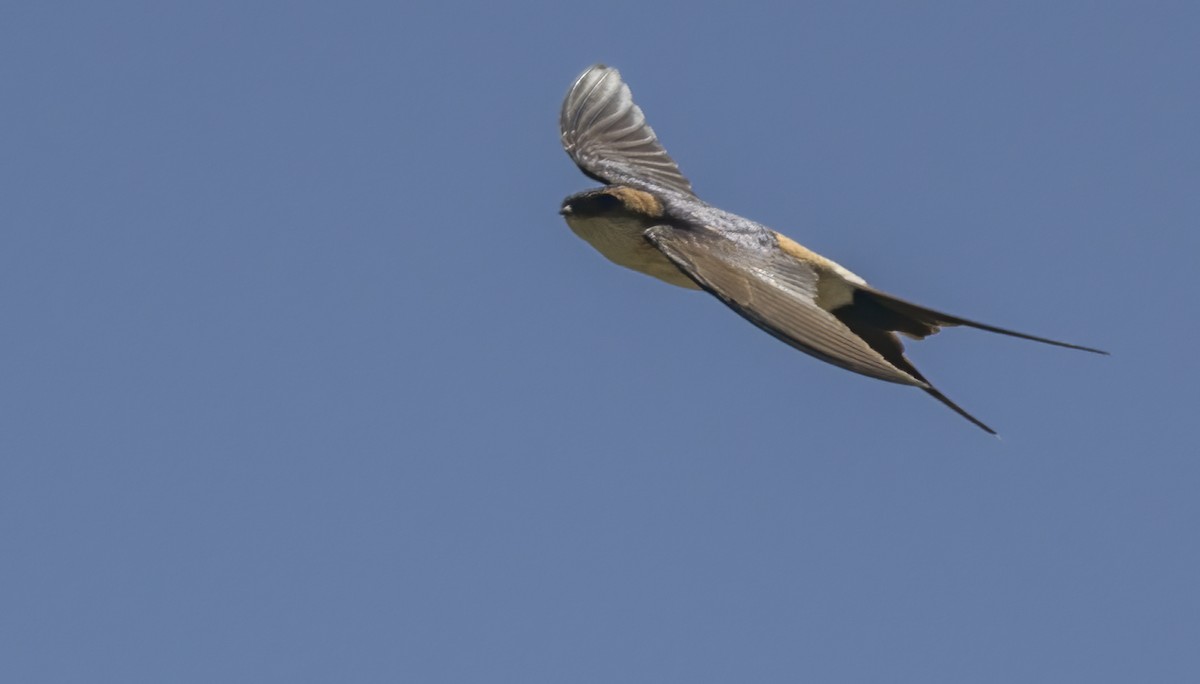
x=613 y=202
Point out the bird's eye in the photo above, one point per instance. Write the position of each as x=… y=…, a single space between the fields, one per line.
x=604 y=202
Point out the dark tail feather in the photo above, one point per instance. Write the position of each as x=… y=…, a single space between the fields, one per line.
x=932 y=391
x=935 y=318
x=874 y=322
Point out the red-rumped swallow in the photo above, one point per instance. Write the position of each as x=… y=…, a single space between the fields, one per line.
x=647 y=218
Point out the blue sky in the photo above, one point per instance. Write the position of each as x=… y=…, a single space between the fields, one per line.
x=304 y=379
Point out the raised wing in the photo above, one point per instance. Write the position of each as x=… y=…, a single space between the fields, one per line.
x=607 y=136
x=775 y=292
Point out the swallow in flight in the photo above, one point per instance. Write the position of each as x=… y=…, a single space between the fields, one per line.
x=647 y=218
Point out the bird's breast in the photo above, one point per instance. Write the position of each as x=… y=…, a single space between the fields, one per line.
x=623 y=242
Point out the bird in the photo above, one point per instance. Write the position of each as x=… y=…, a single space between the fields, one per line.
x=646 y=217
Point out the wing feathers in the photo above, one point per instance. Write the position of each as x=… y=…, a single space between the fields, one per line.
x=607 y=136
x=777 y=293
x=774 y=292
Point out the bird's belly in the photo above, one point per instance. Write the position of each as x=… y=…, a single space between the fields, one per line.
x=624 y=243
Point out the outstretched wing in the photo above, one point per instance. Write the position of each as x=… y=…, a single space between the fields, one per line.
x=775 y=292
x=607 y=136
x=778 y=293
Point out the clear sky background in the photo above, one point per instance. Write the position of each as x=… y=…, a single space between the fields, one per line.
x=303 y=379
